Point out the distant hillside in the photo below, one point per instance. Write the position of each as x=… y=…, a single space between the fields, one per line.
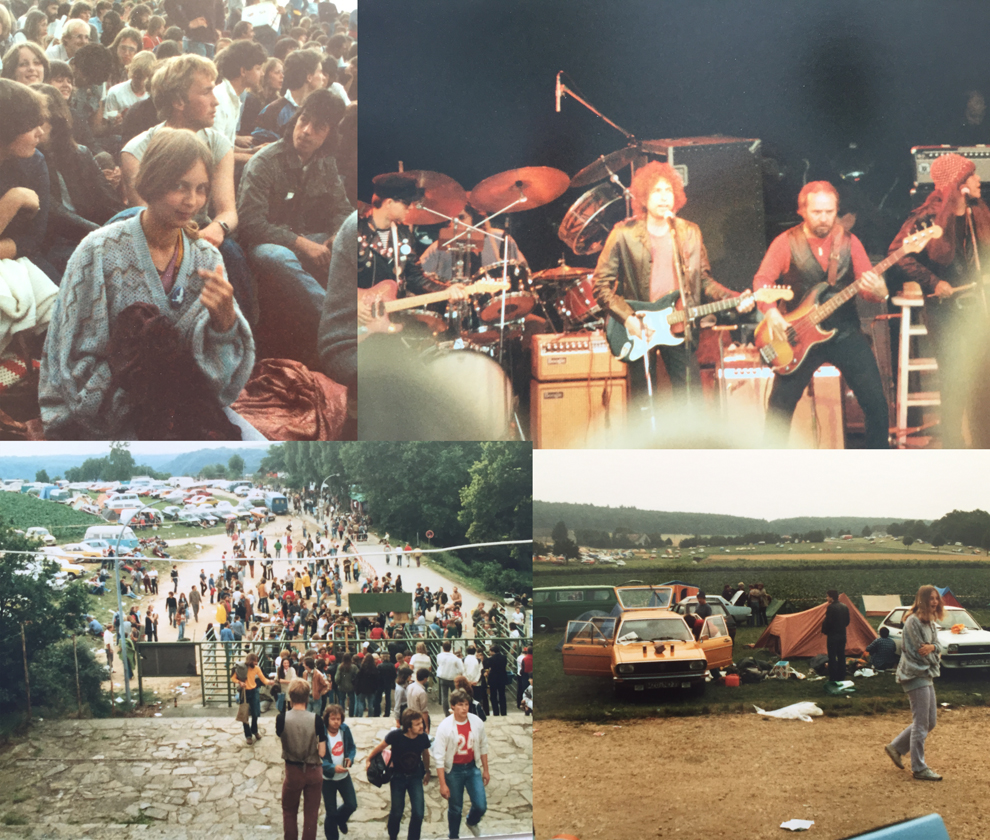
x=548 y=514
x=189 y=463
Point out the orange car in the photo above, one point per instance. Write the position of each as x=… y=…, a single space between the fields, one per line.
x=646 y=649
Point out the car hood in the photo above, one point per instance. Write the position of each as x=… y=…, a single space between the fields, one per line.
x=633 y=652
x=970 y=637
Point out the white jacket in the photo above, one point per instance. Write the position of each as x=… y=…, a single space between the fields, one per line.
x=445 y=742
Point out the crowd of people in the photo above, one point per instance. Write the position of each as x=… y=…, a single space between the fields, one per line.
x=172 y=183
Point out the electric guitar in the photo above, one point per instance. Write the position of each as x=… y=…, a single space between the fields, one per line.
x=375 y=304
x=664 y=319
x=803 y=331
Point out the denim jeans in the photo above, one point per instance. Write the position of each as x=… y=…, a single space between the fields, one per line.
x=346 y=700
x=337 y=816
x=253 y=700
x=463 y=776
x=199 y=48
x=400 y=784
x=364 y=702
x=290 y=298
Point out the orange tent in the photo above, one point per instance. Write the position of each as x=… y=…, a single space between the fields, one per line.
x=800 y=634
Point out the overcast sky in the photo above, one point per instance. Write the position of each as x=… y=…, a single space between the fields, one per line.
x=103 y=448
x=770 y=484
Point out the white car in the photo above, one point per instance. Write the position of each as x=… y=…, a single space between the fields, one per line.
x=40 y=534
x=740 y=614
x=968 y=649
x=242 y=491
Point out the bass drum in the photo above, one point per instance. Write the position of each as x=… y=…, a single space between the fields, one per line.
x=480 y=394
x=519 y=297
x=591 y=218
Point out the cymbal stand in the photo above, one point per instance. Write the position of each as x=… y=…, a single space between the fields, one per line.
x=625 y=190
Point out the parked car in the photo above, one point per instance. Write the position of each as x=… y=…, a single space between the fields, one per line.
x=171 y=512
x=38 y=533
x=190 y=517
x=967 y=649
x=242 y=491
x=86 y=552
x=645 y=649
x=689 y=606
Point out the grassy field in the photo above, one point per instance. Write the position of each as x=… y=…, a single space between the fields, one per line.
x=22 y=511
x=587 y=698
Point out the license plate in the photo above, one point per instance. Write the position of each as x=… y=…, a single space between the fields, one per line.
x=972 y=662
x=685 y=685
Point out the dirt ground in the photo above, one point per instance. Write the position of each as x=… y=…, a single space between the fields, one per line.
x=741 y=776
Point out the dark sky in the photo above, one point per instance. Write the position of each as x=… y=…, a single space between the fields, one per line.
x=467 y=88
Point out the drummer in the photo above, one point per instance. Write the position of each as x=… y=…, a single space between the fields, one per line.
x=385 y=245
x=493 y=250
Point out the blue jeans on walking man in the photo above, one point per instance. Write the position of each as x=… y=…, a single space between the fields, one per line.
x=463 y=776
x=400 y=784
x=337 y=816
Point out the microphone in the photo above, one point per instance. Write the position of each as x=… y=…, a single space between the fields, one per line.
x=669 y=217
x=558 y=90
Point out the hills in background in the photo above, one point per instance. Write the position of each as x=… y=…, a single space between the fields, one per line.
x=548 y=514
x=187 y=463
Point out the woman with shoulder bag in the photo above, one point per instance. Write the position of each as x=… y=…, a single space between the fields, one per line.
x=249 y=678
x=410 y=747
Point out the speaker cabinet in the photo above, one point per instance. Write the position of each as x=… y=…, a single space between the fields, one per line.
x=572 y=414
x=723 y=182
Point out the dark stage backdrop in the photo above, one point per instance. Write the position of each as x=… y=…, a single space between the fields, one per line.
x=467 y=89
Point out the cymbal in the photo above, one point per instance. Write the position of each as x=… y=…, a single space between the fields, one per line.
x=599 y=170
x=540 y=185
x=561 y=273
x=440 y=192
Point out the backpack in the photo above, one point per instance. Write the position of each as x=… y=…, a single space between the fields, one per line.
x=380 y=773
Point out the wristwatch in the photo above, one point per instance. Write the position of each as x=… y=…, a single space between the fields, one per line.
x=225 y=226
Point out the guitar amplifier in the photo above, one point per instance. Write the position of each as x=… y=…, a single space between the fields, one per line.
x=575 y=355
x=924 y=155
x=566 y=415
x=818 y=419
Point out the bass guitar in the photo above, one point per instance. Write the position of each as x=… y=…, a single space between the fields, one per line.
x=804 y=332
x=664 y=319
x=375 y=304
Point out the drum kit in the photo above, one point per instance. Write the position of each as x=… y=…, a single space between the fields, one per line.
x=557 y=299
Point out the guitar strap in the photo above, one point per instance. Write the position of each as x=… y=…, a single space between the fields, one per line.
x=399 y=279
x=833 y=258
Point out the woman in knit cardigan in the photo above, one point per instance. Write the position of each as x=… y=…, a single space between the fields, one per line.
x=918 y=668
x=153 y=257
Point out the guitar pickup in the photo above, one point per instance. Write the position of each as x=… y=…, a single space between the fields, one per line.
x=792 y=336
x=768 y=353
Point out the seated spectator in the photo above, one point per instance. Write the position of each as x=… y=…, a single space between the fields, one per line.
x=303 y=75
x=182 y=90
x=240 y=68
x=153 y=35
x=26 y=63
x=151 y=257
x=75 y=36
x=123 y=96
x=284 y=46
x=883 y=651
x=112 y=24
x=291 y=204
x=330 y=73
x=243 y=31
x=61 y=79
x=6 y=30
x=128 y=43
x=268 y=91
x=200 y=21
x=92 y=65
x=34 y=30
x=81 y=198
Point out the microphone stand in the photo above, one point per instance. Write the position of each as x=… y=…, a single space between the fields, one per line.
x=679 y=272
x=565 y=89
x=976 y=259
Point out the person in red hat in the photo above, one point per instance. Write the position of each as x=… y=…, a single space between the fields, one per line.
x=946 y=270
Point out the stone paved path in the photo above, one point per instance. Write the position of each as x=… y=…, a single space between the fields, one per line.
x=187 y=778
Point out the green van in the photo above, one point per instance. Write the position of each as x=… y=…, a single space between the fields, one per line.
x=554 y=606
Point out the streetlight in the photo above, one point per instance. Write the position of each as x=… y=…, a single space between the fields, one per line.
x=324 y=483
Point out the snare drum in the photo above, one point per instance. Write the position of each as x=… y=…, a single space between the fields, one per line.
x=576 y=303
x=519 y=297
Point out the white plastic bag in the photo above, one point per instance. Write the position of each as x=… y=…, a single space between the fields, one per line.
x=797 y=711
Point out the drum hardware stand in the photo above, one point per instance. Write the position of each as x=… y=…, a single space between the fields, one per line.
x=625 y=190
x=976 y=259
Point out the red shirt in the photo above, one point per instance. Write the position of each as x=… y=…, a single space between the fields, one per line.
x=777 y=261
x=463 y=754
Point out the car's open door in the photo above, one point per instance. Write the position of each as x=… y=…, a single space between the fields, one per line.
x=588 y=648
x=717 y=642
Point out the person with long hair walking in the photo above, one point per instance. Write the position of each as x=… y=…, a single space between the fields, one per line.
x=918 y=668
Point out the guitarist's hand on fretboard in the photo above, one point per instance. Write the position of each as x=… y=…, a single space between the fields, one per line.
x=457 y=291
x=873 y=285
x=747 y=303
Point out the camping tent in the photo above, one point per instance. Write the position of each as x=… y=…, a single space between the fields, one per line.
x=947 y=596
x=800 y=634
x=880 y=604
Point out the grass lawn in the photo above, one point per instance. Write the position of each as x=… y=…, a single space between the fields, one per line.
x=588 y=698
